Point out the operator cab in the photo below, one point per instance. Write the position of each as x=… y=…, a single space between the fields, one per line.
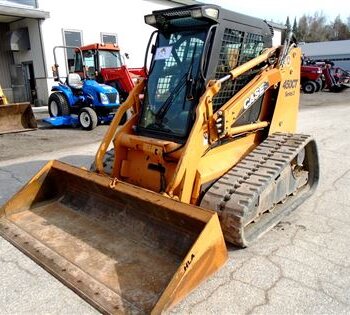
x=96 y=59
x=194 y=45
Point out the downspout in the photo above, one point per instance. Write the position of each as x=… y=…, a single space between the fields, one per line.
x=42 y=51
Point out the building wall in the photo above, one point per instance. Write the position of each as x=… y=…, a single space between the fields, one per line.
x=345 y=64
x=336 y=51
x=35 y=52
x=277 y=37
x=126 y=19
x=5 y=61
x=34 y=55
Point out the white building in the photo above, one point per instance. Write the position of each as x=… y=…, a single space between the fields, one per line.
x=337 y=51
x=29 y=31
x=28 y=34
x=278 y=30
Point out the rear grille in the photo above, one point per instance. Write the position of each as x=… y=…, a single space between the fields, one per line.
x=112 y=97
x=177 y=13
x=237 y=48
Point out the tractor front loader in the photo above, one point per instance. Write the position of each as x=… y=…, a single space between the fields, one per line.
x=210 y=152
x=15 y=117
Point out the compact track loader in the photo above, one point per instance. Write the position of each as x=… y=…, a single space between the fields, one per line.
x=15 y=117
x=209 y=151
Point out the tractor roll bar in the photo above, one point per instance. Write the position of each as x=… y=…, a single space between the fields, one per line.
x=56 y=64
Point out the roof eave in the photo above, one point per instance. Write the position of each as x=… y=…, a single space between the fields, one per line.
x=24 y=12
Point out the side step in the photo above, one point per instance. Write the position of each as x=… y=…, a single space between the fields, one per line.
x=265 y=186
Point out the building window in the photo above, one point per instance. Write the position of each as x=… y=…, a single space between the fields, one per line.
x=29 y=3
x=72 y=38
x=109 y=38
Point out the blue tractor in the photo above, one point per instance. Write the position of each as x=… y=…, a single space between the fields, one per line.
x=80 y=101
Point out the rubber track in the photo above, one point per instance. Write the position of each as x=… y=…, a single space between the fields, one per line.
x=236 y=195
x=108 y=161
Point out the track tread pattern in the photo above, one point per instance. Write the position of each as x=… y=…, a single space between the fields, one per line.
x=236 y=194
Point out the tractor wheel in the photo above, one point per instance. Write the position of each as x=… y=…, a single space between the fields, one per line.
x=88 y=118
x=58 y=105
x=319 y=84
x=309 y=87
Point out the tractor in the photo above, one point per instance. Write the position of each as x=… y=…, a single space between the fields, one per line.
x=80 y=100
x=105 y=64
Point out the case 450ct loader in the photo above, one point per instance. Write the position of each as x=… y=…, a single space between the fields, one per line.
x=210 y=152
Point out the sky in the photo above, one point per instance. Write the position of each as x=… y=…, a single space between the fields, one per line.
x=277 y=11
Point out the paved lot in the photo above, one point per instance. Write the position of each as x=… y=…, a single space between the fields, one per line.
x=46 y=138
x=301 y=266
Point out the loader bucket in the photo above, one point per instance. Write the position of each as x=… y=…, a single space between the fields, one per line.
x=122 y=248
x=16 y=117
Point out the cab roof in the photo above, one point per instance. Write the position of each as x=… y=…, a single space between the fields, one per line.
x=99 y=46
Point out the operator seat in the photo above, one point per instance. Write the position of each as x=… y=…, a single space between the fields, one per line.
x=74 y=81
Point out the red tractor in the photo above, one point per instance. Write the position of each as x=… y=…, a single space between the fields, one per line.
x=104 y=63
x=311 y=79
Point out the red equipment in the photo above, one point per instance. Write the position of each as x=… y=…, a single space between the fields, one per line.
x=311 y=78
x=105 y=64
x=334 y=82
x=342 y=76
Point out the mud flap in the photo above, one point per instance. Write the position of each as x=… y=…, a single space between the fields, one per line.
x=123 y=249
x=16 y=117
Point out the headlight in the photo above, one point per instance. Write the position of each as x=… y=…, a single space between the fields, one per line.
x=213 y=13
x=150 y=19
x=104 y=99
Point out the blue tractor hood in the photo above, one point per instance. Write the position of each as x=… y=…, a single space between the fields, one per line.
x=96 y=91
x=99 y=88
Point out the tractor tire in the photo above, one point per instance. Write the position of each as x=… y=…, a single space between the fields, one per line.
x=88 y=118
x=58 y=105
x=309 y=87
x=319 y=85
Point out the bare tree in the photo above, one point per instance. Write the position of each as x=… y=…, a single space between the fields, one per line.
x=340 y=29
x=316 y=28
x=303 y=28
